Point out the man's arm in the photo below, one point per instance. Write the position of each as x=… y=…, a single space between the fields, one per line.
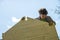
x=50 y=21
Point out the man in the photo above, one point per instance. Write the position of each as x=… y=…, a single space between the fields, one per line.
x=43 y=16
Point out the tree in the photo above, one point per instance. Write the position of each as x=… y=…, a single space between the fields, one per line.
x=58 y=8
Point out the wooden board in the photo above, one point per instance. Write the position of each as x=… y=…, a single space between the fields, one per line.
x=31 y=29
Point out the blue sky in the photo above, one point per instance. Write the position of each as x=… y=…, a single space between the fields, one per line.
x=11 y=11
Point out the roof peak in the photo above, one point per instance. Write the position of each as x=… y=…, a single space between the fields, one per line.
x=24 y=18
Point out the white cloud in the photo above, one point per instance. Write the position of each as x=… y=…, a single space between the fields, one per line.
x=15 y=20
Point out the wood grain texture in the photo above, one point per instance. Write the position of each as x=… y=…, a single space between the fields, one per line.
x=31 y=29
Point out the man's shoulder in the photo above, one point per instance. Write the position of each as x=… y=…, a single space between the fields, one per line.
x=48 y=17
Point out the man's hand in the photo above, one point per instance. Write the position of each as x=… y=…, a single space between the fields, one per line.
x=51 y=23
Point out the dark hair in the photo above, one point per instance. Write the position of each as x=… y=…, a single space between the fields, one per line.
x=43 y=11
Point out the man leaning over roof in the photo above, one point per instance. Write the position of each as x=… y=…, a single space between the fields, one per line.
x=43 y=16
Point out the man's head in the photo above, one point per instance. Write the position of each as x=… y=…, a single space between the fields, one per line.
x=43 y=13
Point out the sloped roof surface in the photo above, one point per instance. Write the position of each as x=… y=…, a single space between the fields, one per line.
x=32 y=29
